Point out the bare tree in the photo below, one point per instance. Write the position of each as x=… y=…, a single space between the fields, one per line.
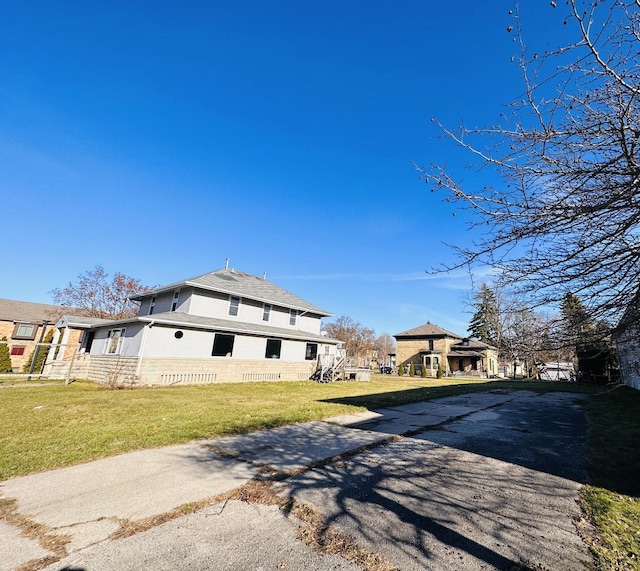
x=566 y=214
x=357 y=338
x=385 y=344
x=99 y=297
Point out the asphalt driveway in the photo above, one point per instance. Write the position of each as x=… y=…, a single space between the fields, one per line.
x=480 y=481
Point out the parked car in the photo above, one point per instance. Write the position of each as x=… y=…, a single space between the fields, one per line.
x=386 y=370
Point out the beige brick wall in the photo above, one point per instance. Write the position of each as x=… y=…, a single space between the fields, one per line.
x=169 y=371
x=18 y=361
x=408 y=351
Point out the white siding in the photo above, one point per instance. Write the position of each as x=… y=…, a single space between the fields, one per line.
x=162 y=342
x=246 y=347
x=310 y=323
x=130 y=344
x=212 y=304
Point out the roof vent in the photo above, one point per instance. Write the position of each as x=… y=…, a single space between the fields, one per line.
x=226 y=264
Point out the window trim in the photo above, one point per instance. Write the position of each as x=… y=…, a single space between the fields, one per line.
x=311 y=355
x=176 y=299
x=226 y=353
x=152 y=304
x=119 y=342
x=234 y=305
x=18 y=325
x=293 y=317
x=273 y=354
x=266 y=312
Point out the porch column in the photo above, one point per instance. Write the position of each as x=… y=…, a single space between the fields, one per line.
x=54 y=342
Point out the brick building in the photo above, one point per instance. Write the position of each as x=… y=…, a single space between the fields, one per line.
x=430 y=346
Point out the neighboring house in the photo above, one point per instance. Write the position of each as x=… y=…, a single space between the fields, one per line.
x=224 y=326
x=628 y=347
x=431 y=346
x=24 y=324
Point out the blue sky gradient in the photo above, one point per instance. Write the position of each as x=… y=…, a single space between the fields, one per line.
x=159 y=139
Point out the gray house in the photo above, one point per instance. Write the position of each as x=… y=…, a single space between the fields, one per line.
x=224 y=326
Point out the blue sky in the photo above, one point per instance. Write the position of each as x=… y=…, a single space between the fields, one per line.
x=158 y=139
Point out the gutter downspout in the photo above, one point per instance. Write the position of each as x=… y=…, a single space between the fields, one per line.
x=142 y=344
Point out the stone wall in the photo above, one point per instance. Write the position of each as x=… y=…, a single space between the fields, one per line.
x=170 y=371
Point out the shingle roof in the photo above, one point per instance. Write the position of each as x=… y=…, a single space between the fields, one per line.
x=82 y=322
x=13 y=310
x=243 y=285
x=427 y=330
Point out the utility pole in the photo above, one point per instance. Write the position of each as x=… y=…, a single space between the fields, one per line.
x=36 y=351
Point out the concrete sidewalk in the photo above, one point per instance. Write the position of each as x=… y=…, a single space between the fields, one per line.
x=89 y=502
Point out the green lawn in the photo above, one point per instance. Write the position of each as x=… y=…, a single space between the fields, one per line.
x=54 y=425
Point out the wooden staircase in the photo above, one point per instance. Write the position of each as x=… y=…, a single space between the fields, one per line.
x=330 y=367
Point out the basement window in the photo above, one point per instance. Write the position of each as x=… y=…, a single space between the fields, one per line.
x=274 y=347
x=17 y=350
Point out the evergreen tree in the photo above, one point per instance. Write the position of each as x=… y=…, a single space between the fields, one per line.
x=400 y=369
x=412 y=370
x=485 y=321
x=5 y=357
x=593 y=346
x=42 y=350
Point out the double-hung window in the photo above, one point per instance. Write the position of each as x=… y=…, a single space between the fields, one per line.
x=152 y=304
x=176 y=298
x=234 y=305
x=266 y=311
x=293 y=317
x=115 y=337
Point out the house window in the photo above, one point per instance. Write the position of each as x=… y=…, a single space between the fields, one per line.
x=26 y=331
x=152 y=304
x=430 y=344
x=17 y=350
x=114 y=341
x=176 y=297
x=234 y=304
x=266 y=312
x=427 y=362
x=293 y=316
x=311 y=353
x=273 y=348
x=222 y=345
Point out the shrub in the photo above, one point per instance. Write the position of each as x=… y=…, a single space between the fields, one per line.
x=5 y=357
x=41 y=356
x=412 y=370
x=400 y=369
x=423 y=372
x=439 y=373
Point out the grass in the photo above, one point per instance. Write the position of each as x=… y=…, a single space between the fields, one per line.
x=58 y=425
x=612 y=500
x=53 y=425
